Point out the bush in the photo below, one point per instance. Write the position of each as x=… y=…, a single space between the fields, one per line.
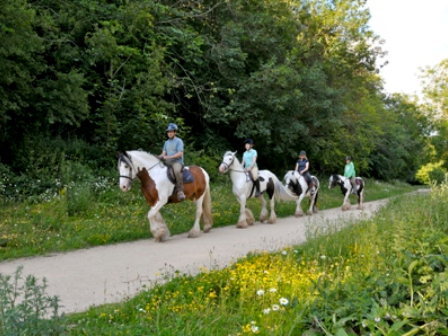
x=431 y=173
x=35 y=314
x=437 y=175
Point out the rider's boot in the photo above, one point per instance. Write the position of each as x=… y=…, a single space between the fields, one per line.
x=354 y=192
x=179 y=184
x=257 y=187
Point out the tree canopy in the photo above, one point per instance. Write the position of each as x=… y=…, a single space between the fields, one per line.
x=291 y=75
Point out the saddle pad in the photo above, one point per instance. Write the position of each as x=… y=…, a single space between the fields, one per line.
x=187 y=176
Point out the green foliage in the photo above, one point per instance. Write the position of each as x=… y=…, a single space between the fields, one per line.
x=26 y=308
x=383 y=276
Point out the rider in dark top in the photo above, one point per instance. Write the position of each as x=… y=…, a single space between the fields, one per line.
x=302 y=167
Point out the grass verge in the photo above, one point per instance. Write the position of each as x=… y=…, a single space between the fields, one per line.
x=90 y=214
x=383 y=276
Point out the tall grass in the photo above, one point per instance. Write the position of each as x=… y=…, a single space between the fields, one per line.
x=89 y=211
x=383 y=276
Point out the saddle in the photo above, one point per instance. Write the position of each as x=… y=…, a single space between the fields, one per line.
x=187 y=176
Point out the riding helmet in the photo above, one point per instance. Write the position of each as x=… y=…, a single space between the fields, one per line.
x=348 y=158
x=249 y=141
x=171 y=127
x=302 y=153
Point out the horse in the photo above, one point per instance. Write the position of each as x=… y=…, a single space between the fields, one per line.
x=159 y=189
x=346 y=189
x=299 y=187
x=243 y=188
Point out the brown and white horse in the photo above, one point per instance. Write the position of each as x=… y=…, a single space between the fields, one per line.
x=159 y=190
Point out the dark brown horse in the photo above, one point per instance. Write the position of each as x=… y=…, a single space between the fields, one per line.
x=159 y=190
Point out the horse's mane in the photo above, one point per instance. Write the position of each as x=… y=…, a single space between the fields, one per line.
x=144 y=155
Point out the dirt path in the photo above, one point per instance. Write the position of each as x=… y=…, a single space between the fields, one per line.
x=112 y=273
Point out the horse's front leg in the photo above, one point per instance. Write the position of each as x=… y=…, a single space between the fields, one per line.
x=346 y=205
x=242 y=222
x=299 y=211
x=157 y=224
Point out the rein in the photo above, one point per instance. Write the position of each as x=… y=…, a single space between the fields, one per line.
x=130 y=170
x=228 y=166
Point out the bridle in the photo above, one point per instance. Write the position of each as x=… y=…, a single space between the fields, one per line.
x=130 y=169
x=227 y=165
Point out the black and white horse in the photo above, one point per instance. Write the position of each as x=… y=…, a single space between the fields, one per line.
x=346 y=189
x=297 y=184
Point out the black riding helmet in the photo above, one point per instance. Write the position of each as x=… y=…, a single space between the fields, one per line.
x=249 y=141
x=348 y=158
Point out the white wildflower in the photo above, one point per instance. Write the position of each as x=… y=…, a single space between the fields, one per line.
x=284 y=301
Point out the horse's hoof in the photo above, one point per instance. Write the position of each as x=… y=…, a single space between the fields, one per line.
x=299 y=214
x=242 y=225
x=194 y=234
x=207 y=228
x=272 y=221
x=309 y=213
x=250 y=222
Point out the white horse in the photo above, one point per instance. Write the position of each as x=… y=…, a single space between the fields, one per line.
x=243 y=188
x=160 y=190
x=346 y=189
x=299 y=187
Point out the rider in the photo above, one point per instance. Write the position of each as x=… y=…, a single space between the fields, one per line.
x=349 y=172
x=250 y=164
x=173 y=154
x=302 y=167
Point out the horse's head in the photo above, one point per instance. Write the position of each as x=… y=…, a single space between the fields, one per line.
x=334 y=180
x=127 y=173
x=227 y=162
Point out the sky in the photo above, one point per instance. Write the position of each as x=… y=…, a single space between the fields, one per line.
x=416 y=36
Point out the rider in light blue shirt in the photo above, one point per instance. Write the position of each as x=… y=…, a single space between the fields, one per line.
x=250 y=164
x=173 y=154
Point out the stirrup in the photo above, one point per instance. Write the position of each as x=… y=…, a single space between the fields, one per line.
x=180 y=196
x=258 y=194
x=313 y=190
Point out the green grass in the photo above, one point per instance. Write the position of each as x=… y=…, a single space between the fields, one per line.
x=384 y=276
x=84 y=215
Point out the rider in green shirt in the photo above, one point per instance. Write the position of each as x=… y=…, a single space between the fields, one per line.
x=350 y=173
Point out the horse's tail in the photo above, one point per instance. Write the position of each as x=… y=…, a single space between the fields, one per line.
x=281 y=192
x=207 y=219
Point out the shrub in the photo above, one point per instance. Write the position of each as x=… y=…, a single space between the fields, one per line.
x=25 y=308
x=431 y=173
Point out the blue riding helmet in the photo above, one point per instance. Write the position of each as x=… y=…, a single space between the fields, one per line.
x=171 y=127
x=249 y=141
